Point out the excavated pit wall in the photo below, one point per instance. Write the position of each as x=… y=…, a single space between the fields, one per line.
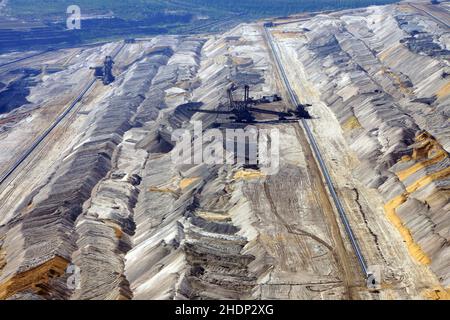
x=215 y=232
x=139 y=226
x=186 y=245
x=58 y=227
x=108 y=224
x=382 y=73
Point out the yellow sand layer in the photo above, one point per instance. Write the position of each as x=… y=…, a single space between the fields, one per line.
x=2 y=259
x=422 y=182
x=402 y=175
x=186 y=182
x=213 y=216
x=443 y=91
x=385 y=53
x=248 y=174
x=414 y=249
x=438 y=294
x=429 y=149
x=157 y=189
x=118 y=232
x=351 y=123
x=424 y=135
x=117 y=228
x=33 y=278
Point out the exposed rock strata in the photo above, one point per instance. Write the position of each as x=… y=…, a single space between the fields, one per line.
x=57 y=224
x=139 y=226
x=382 y=73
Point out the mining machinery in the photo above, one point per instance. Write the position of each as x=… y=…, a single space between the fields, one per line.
x=242 y=111
x=105 y=72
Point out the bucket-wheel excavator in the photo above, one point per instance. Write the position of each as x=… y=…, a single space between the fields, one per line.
x=105 y=72
x=242 y=111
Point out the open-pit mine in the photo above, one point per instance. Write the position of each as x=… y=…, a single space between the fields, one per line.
x=94 y=206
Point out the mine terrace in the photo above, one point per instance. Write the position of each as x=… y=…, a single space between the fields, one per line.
x=359 y=98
